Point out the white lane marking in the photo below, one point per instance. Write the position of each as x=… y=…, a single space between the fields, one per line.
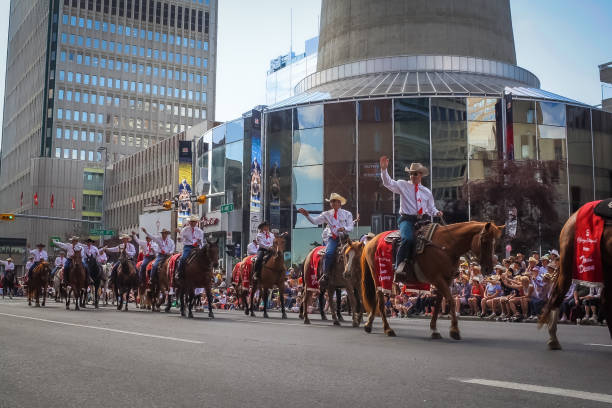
x=155 y=336
x=597 y=344
x=561 y=392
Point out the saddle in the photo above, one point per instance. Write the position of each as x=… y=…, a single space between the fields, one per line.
x=422 y=238
x=604 y=210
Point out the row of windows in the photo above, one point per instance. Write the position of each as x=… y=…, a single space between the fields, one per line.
x=134 y=50
x=131 y=86
x=149 y=35
x=118 y=65
x=161 y=13
x=73 y=154
x=92 y=137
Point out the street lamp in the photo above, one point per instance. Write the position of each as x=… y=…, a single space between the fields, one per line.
x=105 y=150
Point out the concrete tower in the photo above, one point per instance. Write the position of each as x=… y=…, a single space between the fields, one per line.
x=353 y=30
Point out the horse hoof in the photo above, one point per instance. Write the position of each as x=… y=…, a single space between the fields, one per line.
x=211 y=315
x=390 y=333
x=167 y=310
x=266 y=316
x=190 y=316
x=368 y=329
x=455 y=335
x=246 y=312
x=300 y=316
x=97 y=307
x=253 y=314
x=306 y=321
x=436 y=336
x=38 y=305
x=554 y=345
x=284 y=316
x=67 y=307
x=323 y=317
x=336 y=323
x=340 y=318
x=355 y=324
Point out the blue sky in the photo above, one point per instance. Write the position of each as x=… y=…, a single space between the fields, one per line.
x=560 y=41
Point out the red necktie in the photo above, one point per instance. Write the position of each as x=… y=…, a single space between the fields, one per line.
x=148 y=248
x=416 y=200
x=267 y=235
x=335 y=214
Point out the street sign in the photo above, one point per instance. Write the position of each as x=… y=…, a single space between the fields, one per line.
x=225 y=208
x=101 y=232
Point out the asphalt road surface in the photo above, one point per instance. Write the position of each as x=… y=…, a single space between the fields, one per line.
x=50 y=357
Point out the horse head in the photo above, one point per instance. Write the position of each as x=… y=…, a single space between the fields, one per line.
x=212 y=250
x=352 y=258
x=92 y=264
x=484 y=247
x=76 y=258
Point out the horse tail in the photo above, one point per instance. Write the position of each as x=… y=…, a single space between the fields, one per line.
x=368 y=286
x=564 y=276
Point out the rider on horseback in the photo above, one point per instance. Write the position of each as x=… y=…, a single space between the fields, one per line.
x=40 y=255
x=192 y=237
x=165 y=246
x=59 y=263
x=129 y=250
x=8 y=265
x=416 y=200
x=149 y=251
x=340 y=222
x=252 y=248
x=265 y=243
x=69 y=248
x=89 y=250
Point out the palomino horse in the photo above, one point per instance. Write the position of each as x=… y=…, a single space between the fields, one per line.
x=336 y=280
x=550 y=313
x=58 y=285
x=8 y=283
x=439 y=264
x=77 y=282
x=125 y=280
x=198 y=273
x=159 y=286
x=272 y=274
x=352 y=272
x=95 y=274
x=39 y=283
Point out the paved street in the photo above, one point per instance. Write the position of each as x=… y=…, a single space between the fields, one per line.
x=54 y=358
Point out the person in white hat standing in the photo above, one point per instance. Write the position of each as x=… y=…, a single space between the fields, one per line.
x=69 y=248
x=416 y=201
x=165 y=246
x=192 y=237
x=340 y=222
x=130 y=250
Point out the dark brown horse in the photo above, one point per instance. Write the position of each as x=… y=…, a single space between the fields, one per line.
x=550 y=313
x=272 y=275
x=125 y=281
x=439 y=264
x=8 y=283
x=38 y=283
x=198 y=273
x=77 y=282
x=160 y=284
x=352 y=272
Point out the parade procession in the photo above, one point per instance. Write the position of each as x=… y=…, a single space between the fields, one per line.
x=363 y=203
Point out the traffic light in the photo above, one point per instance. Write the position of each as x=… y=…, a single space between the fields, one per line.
x=7 y=217
x=167 y=204
x=201 y=199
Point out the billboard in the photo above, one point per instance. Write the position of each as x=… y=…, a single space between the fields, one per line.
x=185 y=181
x=155 y=221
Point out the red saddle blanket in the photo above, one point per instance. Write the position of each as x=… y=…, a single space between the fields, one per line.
x=384 y=268
x=588 y=266
x=312 y=280
x=236 y=273
x=247 y=268
x=172 y=266
x=147 y=271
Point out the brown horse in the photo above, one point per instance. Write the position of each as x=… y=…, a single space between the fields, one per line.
x=352 y=272
x=159 y=286
x=240 y=286
x=77 y=282
x=8 y=283
x=550 y=313
x=125 y=280
x=39 y=283
x=336 y=280
x=272 y=274
x=439 y=263
x=198 y=273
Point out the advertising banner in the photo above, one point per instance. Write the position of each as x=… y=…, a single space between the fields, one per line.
x=184 y=183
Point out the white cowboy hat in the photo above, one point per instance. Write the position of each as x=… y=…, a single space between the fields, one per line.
x=194 y=218
x=419 y=168
x=74 y=238
x=336 y=196
x=165 y=230
x=124 y=236
x=9 y=259
x=554 y=252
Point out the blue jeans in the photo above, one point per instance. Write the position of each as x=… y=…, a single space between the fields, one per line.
x=160 y=258
x=34 y=265
x=407 y=233
x=186 y=252
x=143 y=267
x=330 y=254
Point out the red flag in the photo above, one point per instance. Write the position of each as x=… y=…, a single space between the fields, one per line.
x=21 y=200
x=73 y=204
x=35 y=198
x=52 y=200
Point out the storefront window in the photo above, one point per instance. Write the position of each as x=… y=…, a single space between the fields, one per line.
x=602 y=146
x=580 y=156
x=217 y=176
x=308 y=117
x=308 y=147
x=234 y=131
x=233 y=173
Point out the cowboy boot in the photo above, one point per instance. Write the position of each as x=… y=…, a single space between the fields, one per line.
x=324 y=280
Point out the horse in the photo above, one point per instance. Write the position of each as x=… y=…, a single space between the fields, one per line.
x=77 y=282
x=125 y=280
x=198 y=273
x=58 y=286
x=352 y=272
x=8 y=283
x=160 y=285
x=39 y=282
x=95 y=274
x=336 y=281
x=272 y=274
x=550 y=313
x=105 y=283
x=439 y=264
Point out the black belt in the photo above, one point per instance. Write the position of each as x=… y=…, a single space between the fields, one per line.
x=411 y=218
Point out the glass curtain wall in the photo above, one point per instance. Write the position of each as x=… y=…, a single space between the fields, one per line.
x=449 y=157
x=217 y=183
x=580 y=156
x=523 y=118
x=307 y=177
x=375 y=138
x=602 y=146
x=234 y=152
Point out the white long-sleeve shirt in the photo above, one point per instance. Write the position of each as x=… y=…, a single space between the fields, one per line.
x=166 y=246
x=252 y=248
x=39 y=255
x=192 y=236
x=60 y=261
x=69 y=248
x=89 y=250
x=265 y=240
x=334 y=221
x=102 y=258
x=8 y=266
x=147 y=248
x=129 y=249
x=410 y=200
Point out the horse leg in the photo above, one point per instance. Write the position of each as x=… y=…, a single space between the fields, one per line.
x=454 y=330
x=381 y=308
x=46 y=288
x=339 y=304
x=119 y=298
x=265 y=299
x=322 y=304
x=332 y=308
x=77 y=298
x=553 y=341
x=169 y=305
x=37 y=295
x=281 y=297
x=190 y=301
x=29 y=295
x=127 y=299
x=180 y=298
x=210 y=299
x=435 y=334
x=252 y=303
x=304 y=306
x=352 y=302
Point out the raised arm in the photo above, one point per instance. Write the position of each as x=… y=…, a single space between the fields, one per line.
x=318 y=220
x=387 y=181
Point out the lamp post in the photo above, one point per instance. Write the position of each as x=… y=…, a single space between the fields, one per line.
x=102 y=226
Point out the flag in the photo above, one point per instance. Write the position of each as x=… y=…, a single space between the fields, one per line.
x=21 y=200
x=52 y=200
x=35 y=198
x=73 y=204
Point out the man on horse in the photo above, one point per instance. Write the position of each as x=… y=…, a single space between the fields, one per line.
x=340 y=222
x=252 y=248
x=89 y=250
x=102 y=258
x=192 y=237
x=265 y=244
x=40 y=255
x=69 y=248
x=149 y=251
x=130 y=250
x=165 y=246
x=8 y=265
x=416 y=201
x=60 y=261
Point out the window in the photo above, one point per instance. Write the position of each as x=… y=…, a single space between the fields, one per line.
x=60 y=113
x=58 y=152
x=58 y=133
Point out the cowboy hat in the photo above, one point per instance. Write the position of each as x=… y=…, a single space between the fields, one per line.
x=90 y=240
x=165 y=230
x=263 y=224
x=194 y=218
x=370 y=235
x=41 y=245
x=417 y=167
x=9 y=259
x=554 y=252
x=476 y=278
x=336 y=196
x=74 y=238
x=124 y=236
x=500 y=267
x=532 y=259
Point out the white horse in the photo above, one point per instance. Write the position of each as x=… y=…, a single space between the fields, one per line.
x=105 y=283
x=58 y=287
